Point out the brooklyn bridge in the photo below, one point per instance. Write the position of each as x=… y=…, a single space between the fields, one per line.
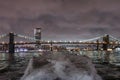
x=101 y=45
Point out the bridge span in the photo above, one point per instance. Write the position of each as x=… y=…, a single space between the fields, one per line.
x=104 y=42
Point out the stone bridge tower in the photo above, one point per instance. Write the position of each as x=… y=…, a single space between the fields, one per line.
x=37 y=35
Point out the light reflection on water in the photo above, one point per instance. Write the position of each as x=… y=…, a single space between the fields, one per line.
x=94 y=55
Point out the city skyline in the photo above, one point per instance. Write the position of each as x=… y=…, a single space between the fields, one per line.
x=61 y=19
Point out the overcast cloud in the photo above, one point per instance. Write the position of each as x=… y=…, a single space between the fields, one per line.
x=61 y=19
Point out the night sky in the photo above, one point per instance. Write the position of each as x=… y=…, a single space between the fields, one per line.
x=61 y=19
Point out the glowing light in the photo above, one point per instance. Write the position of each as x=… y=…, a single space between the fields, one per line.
x=3 y=42
x=48 y=41
x=40 y=50
x=75 y=41
x=21 y=41
x=109 y=49
x=15 y=42
x=65 y=41
x=80 y=41
x=54 y=41
x=70 y=41
x=60 y=40
x=25 y=50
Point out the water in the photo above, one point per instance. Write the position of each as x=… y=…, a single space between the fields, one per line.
x=62 y=66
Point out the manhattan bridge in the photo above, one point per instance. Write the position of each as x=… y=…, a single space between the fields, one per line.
x=104 y=48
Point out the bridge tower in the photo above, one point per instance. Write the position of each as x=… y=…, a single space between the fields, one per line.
x=37 y=35
x=105 y=48
x=106 y=40
x=97 y=45
x=11 y=47
x=51 y=46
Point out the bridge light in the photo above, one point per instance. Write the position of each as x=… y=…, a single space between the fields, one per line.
x=21 y=41
x=111 y=42
x=65 y=41
x=40 y=50
x=15 y=42
x=60 y=41
x=119 y=42
x=75 y=41
x=25 y=50
x=48 y=41
x=3 y=42
x=116 y=42
x=54 y=41
x=25 y=37
x=21 y=50
x=109 y=49
x=16 y=50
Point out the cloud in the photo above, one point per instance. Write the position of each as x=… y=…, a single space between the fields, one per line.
x=61 y=18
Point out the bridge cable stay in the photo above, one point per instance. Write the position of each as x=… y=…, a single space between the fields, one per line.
x=31 y=38
x=3 y=36
x=26 y=37
x=116 y=39
x=88 y=40
x=92 y=39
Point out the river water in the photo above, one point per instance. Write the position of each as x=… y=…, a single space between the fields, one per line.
x=61 y=66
